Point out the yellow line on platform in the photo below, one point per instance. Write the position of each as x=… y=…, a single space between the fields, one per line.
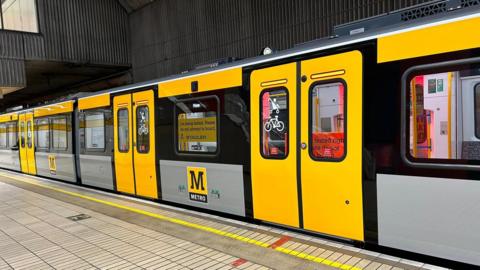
x=186 y=224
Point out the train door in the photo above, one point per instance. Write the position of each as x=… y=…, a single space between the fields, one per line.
x=144 y=144
x=306 y=171
x=331 y=145
x=22 y=134
x=134 y=136
x=274 y=148
x=26 y=145
x=30 y=144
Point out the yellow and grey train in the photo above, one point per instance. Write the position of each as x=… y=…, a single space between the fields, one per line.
x=372 y=137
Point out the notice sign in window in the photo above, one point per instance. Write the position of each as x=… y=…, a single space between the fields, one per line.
x=197 y=133
x=197 y=184
x=197 y=121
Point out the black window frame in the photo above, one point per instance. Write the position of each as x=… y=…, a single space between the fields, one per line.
x=175 y=126
x=38 y=148
x=137 y=143
x=261 y=122
x=345 y=118
x=91 y=112
x=407 y=76
x=52 y=132
x=129 y=132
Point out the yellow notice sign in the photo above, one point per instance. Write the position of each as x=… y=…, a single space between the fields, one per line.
x=196 y=129
x=52 y=164
x=197 y=184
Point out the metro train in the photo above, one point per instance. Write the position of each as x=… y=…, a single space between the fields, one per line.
x=372 y=136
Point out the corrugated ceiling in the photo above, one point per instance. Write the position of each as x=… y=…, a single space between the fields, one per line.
x=132 y=5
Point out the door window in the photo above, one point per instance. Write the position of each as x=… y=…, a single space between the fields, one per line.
x=143 y=132
x=22 y=134
x=29 y=134
x=123 y=130
x=327 y=122
x=274 y=123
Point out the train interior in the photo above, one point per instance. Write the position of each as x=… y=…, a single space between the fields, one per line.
x=444 y=115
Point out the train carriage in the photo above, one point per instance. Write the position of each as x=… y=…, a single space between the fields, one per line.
x=371 y=137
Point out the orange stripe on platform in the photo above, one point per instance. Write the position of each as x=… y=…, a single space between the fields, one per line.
x=280 y=242
x=238 y=262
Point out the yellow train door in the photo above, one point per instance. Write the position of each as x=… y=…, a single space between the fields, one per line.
x=122 y=135
x=144 y=144
x=134 y=136
x=22 y=145
x=331 y=145
x=308 y=173
x=273 y=147
x=30 y=143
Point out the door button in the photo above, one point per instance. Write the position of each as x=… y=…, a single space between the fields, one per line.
x=303 y=146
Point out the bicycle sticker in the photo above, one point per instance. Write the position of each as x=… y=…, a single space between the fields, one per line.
x=273 y=123
x=143 y=128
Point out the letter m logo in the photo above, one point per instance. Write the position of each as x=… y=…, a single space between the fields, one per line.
x=197 y=183
x=197 y=180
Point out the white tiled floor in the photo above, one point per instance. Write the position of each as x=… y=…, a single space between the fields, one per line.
x=35 y=231
x=36 y=234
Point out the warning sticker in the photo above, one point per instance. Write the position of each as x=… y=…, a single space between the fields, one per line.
x=328 y=145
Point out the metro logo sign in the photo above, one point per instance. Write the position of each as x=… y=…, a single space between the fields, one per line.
x=197 y=184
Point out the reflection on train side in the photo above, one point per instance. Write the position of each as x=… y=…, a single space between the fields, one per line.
x=328 y=140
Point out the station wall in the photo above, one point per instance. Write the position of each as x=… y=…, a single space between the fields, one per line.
x=171 y=36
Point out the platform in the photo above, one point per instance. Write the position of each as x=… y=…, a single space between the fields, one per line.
x=46 y=224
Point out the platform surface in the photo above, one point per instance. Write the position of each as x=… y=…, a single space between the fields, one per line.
x=46 y=224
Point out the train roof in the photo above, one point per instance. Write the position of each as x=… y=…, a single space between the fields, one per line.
x=315 y=46
x=55 y=107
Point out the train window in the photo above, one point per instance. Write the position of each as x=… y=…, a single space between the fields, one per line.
x=477 y=110
x=12 y=135
x=95 y=131
x=197 y=121
x=3 y=136
x=123 y=130
x=22 y=134
x=59 y=133
x=443 y=115
x=274 y=123
x=143 y=132
x=29 y=134
x=327 y=122
x=43 y=133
